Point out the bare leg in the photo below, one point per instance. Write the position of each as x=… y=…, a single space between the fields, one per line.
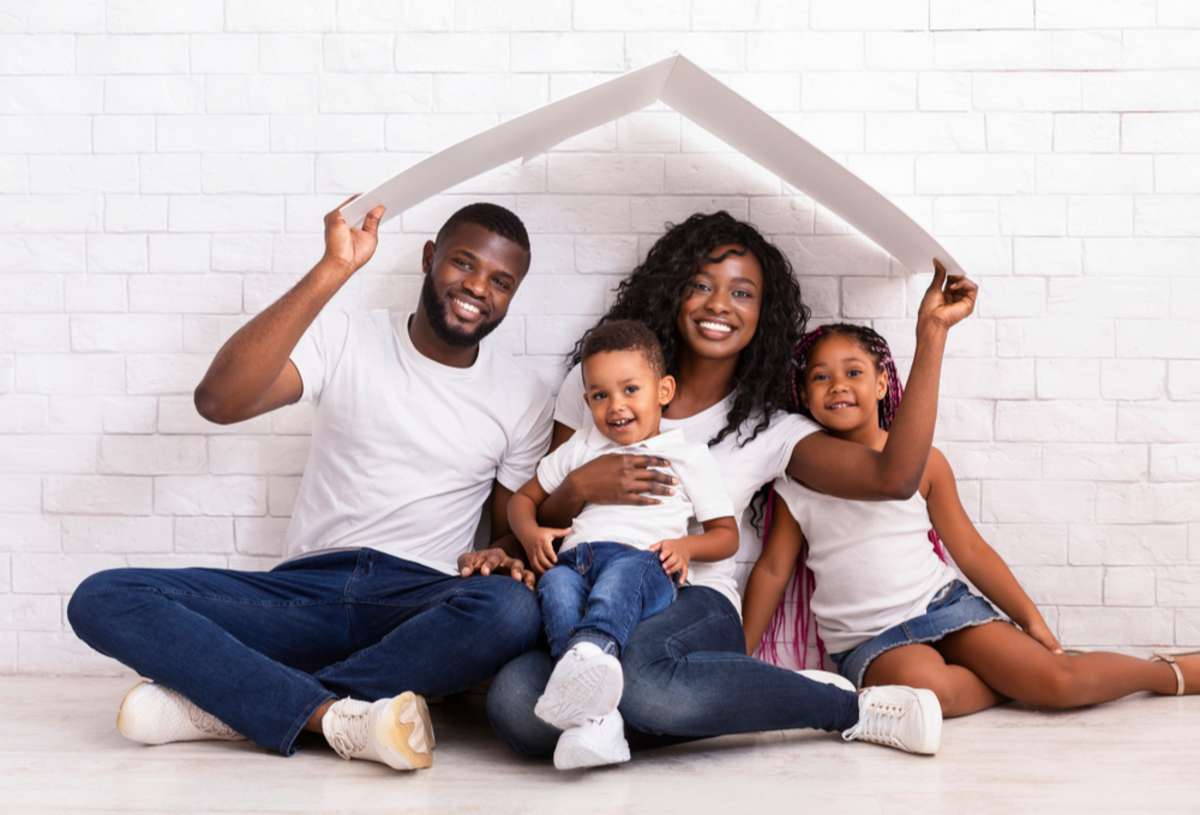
x=958 y=689
x=1021 y=668
x=313 y=725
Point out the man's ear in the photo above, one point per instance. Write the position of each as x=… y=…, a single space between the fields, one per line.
x=666 y=390
x=427 y=257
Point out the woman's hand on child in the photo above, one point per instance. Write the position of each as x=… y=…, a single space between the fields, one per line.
x=1042 y=633
x=540 y=548
x=948 y=300
x=618 y=478
x=674 y=554
x=487 y=561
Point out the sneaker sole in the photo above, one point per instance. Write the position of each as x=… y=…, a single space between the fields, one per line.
x=575 y=754
x=579 y=696
x=405 y=733
x=125 y=716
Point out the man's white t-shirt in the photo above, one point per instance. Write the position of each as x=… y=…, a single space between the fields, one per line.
x=746 y=469
x=405 y=450
x=700 y=496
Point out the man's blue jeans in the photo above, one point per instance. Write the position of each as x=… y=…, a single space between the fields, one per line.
x=598 y=592
x=687 y=676
x=262 y=651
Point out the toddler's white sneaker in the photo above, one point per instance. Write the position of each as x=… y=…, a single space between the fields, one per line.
x=595 y=743
x=908 y=719
x=397 y=731
x=153 y=714
x=586 y=684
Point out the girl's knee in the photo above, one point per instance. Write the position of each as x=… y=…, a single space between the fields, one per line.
x=1057 y=685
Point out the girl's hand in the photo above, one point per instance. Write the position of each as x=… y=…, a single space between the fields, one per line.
x=621 y=479
x=350 y=248
x=948 y=300
x=1041 y=632
x=540 y=548
x=674 y=554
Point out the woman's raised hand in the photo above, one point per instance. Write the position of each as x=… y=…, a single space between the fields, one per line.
x=349 y=247
x=622 y=479
x=948 y=300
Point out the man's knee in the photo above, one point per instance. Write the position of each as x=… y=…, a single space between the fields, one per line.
x=511 y=609
x=95 y=600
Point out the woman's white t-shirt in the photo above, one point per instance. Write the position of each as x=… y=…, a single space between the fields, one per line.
x=745 y=469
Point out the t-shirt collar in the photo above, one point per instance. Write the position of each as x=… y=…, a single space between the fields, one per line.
x=404 y=341
x=665 y=440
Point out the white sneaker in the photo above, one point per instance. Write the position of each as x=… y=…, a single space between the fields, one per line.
x=595 y=743
x=908 y=719
x=828 y=678
x=586 y=684
x=152 y=714
x=396 y=731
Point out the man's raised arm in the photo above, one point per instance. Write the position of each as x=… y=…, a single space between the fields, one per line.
x=252 y=373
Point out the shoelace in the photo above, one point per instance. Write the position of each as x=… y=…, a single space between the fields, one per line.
x=350 y=735
x=881 y=724
x=205 y=722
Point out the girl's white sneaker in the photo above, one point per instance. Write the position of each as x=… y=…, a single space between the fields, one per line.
x=595 y=743
x=908 y=719
x=152 y=714
x=586 y=684
x=397 y=731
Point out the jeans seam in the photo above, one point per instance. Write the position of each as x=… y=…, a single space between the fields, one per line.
x=293 y=731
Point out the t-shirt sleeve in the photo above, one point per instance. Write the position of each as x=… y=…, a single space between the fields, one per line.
x=701 y=479
x=569 y=407
x=785 y=431
x=554 y=468
x=528 y=442
x=317 y=353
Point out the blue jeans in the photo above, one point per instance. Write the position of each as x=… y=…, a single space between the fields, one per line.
x=262 y=651
x=598 y=592
x=687 y=676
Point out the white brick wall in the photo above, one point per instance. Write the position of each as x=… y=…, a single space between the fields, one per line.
x=164 y=166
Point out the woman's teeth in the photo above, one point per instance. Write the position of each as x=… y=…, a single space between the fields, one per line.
x=708 y=325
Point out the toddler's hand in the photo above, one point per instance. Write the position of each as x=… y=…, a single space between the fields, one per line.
x=1041 y=632
x=540 y=548
x=674 y=554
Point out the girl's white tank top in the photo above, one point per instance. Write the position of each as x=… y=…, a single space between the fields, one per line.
x=873 y=562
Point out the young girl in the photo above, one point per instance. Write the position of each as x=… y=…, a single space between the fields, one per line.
x=888 y=608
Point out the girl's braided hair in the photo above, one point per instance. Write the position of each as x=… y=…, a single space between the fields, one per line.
x=804 y=582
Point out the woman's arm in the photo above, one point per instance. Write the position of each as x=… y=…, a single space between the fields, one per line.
x=846 y=470
x=610 y=479
x=979 y=561
x=769 y=578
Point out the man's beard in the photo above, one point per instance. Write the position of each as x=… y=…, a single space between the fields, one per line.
x=435 y=310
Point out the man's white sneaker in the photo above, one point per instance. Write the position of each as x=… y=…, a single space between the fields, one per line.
x=828 y=678
x=396 y=731
x=908 y=719
x=595 y=743
x=152 y=714
x=586 y=684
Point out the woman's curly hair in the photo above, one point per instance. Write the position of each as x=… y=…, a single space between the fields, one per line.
x=655 y=290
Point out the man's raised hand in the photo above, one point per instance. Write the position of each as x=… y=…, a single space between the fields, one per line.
x=349 y=248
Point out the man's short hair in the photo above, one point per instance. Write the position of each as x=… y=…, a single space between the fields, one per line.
x=491 y=217
x=625 y=335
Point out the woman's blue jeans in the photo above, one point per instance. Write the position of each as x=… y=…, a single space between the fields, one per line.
x=262 y=651
x=687 y=676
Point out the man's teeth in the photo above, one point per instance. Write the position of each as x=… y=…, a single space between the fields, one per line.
x=465 y=306
x=711 y=326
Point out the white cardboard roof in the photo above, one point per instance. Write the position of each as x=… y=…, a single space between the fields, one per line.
x=696 y=94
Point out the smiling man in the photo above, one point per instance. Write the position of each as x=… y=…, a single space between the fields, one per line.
x=418 y=426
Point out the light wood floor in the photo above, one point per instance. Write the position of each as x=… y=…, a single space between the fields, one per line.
x=60 y=752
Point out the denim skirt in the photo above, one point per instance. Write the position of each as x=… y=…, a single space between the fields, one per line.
x=952 y=609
